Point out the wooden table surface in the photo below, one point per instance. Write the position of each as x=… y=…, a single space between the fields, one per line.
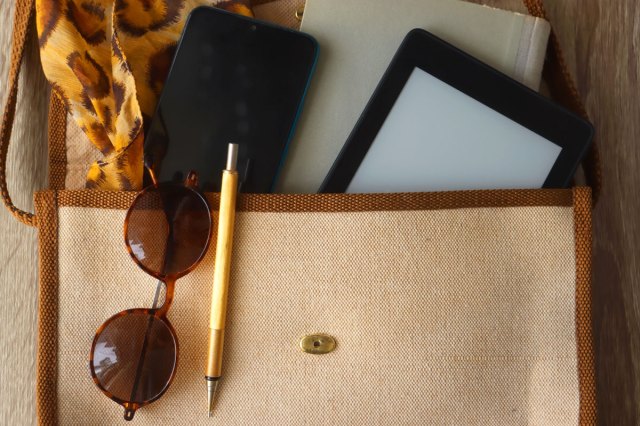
x=601 y=40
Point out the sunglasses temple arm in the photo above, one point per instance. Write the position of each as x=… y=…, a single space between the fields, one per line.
x=165 y=262
x=160 y=284
x=168 y=295
x=129 y=413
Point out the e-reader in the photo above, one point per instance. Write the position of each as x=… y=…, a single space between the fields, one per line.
x=442 y=120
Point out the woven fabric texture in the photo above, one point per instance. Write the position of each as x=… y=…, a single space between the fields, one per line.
x=446 y=316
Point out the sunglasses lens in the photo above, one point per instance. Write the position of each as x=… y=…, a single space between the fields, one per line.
x=134 y=357
x=168 y=229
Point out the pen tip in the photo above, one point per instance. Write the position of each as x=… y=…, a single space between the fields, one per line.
x=209 y=415
x=212 y=385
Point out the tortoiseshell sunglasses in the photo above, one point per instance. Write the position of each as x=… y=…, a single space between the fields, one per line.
x=135 y=352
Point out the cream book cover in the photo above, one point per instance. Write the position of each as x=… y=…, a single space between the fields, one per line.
x=357 y=41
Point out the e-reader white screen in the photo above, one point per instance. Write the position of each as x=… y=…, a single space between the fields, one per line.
x=437 y=138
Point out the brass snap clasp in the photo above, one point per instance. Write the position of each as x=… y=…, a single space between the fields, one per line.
x=317 y=344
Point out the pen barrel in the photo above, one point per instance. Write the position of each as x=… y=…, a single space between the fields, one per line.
x=214 y=362
x=224 y=245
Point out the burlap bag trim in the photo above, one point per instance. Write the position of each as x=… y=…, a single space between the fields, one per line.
x=345 y=202
x=48 y=202
x=584 y=332
x=46 y=358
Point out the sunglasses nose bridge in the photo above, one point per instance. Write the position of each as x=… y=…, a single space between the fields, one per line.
x=168 y=298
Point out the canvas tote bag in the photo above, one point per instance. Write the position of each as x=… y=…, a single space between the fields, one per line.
x=470 y=307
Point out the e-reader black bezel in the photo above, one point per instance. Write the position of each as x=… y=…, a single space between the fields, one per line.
x=421 y=49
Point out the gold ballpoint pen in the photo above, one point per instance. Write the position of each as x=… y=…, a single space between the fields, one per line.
x=226 y=219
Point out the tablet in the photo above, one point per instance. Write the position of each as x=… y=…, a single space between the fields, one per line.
x=441 y=120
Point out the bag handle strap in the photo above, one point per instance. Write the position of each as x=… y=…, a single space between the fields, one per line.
x=563 y=90
x=24 y=13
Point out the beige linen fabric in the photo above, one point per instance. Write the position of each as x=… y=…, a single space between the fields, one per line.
x=441 y=316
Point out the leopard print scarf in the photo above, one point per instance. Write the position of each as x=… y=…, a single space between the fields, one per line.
x=107 y=61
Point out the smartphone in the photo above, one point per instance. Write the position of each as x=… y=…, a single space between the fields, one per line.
x=233 y=80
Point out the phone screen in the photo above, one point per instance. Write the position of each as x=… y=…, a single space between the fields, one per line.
x=233 y=80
